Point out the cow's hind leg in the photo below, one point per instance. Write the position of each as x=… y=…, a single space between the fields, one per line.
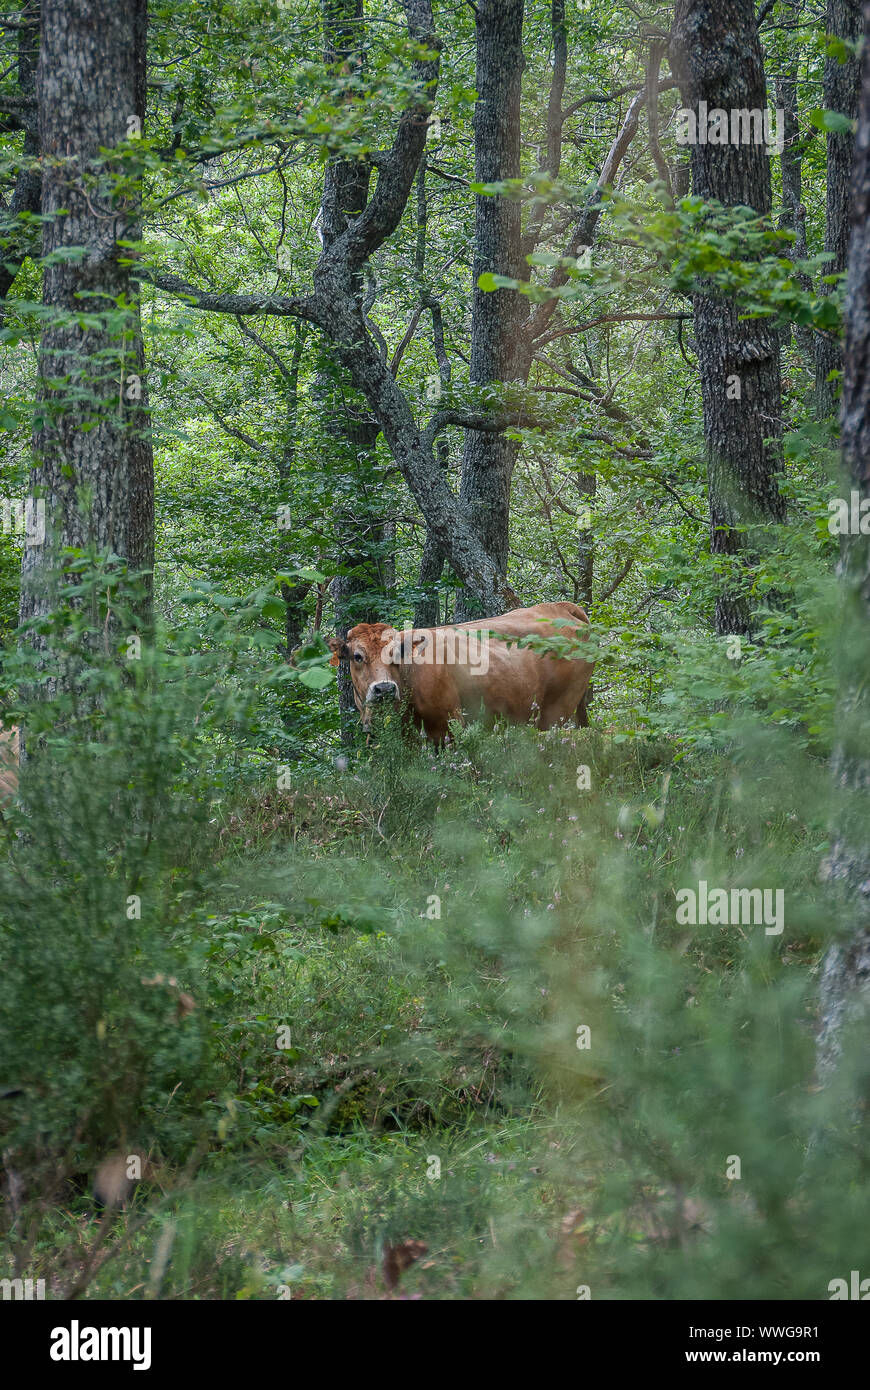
x=581 y=714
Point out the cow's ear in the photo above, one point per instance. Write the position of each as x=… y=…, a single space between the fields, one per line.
x=339 y=650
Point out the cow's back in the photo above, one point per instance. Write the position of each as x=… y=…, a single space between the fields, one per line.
x=522 y=622
x=512 y=682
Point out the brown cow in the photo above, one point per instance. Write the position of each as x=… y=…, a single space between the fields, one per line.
x=8 y=763
x=441 y=673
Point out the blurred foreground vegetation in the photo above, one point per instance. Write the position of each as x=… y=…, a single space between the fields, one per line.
x=337 y=1008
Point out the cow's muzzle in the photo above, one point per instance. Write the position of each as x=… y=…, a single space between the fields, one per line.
x=382 y=690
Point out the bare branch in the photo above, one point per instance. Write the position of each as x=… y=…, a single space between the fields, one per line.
x=553 y=157
x=569 y=111
x=409 y=333
x=678 y=499
x=264 y=347
x=603 y=318
x=584 y=229
x=227 y=428
x=657 y=51
x=614 y=585
x=443 y=174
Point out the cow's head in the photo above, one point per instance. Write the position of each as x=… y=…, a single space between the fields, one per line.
x=376 y=654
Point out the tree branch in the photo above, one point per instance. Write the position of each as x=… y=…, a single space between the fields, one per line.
x=612 y=587
x=657 y=51
x=603 y=318
x=479 y=420
x=396 y=172
x=569 y=111
x=282 y=306
x=229 y=429
x=264 y=347
x=22 y=110
x=587 y=221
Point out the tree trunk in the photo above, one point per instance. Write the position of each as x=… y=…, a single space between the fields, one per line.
x=358 y=526
x=716 y=57
x=496 y=338
x=355 y=596
x=586 y=488
x=845 y=990
x=841 y=89
x=93 y=454
x=293 y=592
x=427 y=610
x=793 y=215
x=361 y=533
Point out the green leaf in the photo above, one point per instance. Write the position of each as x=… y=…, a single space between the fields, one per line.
x=833 y=121
x=488 y=281
x=304 y=572
x=316 y=677
x=273 y=608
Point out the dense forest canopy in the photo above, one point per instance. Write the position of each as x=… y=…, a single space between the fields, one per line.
x=316 y=313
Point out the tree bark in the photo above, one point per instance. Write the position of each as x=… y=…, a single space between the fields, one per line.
x=845 y=989
x=716 y=57
x=294 y=592
x=93 y=454
x=586 y=489
x=841 y=90
x=427 y=611
x=359 y=524
x=359 y=527
x=497 y=354
x=793 y=215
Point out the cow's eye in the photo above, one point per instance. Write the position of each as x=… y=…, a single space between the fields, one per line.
x=357 y=656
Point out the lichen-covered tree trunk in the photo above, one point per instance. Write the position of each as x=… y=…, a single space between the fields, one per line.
x=360 y=535
x=497 y=344
x=793 y=215
x=716 y=57
x=586 y=489
x=845 y=991
x=93 y=461
x=358 y=520
x=293 y=591
x=841 y=88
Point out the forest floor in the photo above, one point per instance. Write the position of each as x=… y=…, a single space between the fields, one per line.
x=398 y=964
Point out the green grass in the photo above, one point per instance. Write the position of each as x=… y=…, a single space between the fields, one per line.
x=356 y=1036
